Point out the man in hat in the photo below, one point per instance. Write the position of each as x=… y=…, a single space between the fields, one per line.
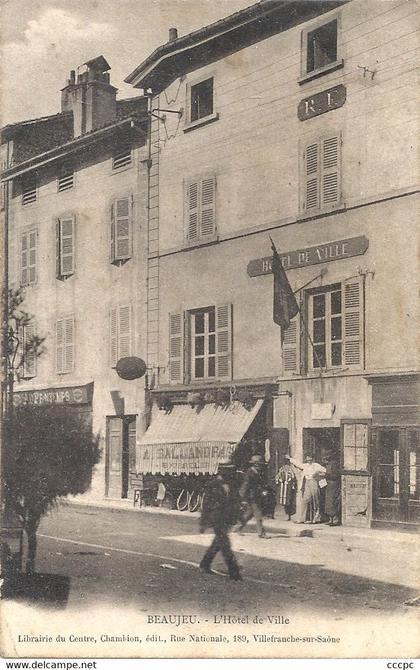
x=251 y=493
x=309 y=490
x=220 y=512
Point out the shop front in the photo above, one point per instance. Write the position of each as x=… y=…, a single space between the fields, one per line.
x=395 y=451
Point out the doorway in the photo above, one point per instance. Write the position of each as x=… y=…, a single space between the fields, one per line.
x=323 y=444
x=121 y=454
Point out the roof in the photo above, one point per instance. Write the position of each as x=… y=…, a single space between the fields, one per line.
x=227 y=35
x=7 y=132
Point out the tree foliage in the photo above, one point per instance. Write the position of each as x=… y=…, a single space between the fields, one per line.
x=53 y=456
x=19 y=348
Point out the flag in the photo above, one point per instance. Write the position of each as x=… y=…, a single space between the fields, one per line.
x=285 y=306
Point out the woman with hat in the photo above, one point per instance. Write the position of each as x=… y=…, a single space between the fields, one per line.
x=308 y=490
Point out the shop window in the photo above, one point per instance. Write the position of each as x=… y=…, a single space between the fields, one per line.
x=28 y=257
x=331 y=336
x=321 y=174
x=207 y=334
x=201 y=210
x=355 y=446
x=120 y=333
x=389 y=465
x=65 y=344
x=65 y=246
x=201 y=104
x=121 y=229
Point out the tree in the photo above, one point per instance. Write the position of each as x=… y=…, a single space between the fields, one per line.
x=54 y=453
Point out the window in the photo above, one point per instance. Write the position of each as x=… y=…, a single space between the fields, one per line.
x=332 y=334
x=389 y=465
x=321 y=172
x=65 y=246
x=121 y=158
x=27 y=355
x=355 y=445
x=321 y=46
x=65 y=344
x=201 y=100
x=120 y=333
x=414 y=464
x=65 y=179
x=121 y=229
x=207 y=333
x=28 y=257
x=29 y=190
x=201 y=209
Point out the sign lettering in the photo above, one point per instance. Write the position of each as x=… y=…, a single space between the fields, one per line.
x=322 y=102
x=323 y=253
x=71 y=395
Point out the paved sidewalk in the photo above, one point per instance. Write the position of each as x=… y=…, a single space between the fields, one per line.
x=277 y=525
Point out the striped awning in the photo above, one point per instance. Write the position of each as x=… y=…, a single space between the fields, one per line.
x=193 y=440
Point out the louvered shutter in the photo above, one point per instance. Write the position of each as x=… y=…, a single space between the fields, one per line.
x=112 y=232
x=193 y=205
x=353 y=317
x=176 y=347
x=224 y=342
x=24 y=260
x=113 y=335
x=122 y=229
x=207 y=207
x=311 y=177
x=32 y=256
x=330 y=170
x=69 y=344
x=291 y=347
x=29 y=358
x=124 y=331
x=57 y=249
x=66 y=260
x=59 y=339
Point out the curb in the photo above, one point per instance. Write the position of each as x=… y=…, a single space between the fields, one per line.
x=288 y=528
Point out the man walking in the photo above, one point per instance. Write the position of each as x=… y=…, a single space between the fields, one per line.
x=220 y=512
x=251 y=493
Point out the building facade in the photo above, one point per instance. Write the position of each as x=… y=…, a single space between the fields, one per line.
x=77 y=210
x=301 y=125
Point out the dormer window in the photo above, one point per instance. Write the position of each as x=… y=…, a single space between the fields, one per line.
x=121 y=158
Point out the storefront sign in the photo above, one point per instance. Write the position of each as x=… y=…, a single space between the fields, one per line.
x=323 y=253
x=177 y=459
x=356 y=500
x=69 y=395
x=322 y=102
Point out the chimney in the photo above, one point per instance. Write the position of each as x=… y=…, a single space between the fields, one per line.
x=90 y=96
x=173 y=34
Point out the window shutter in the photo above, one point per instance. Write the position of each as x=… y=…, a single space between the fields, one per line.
x=193 y=211
x=112 y=232
x=57 y=249
x=66 y=260
x=113 y=331
x=207 y=214
x=291 y=347
x=59 y=332
x=224 y=341
x=176 y=347
x=311 y=173
x=122 y=229
x=24 y=260
x=32 y=257
x=69 y=344
x=29 y=358
x=353 y=316
x=330 y=170
x=124 y=331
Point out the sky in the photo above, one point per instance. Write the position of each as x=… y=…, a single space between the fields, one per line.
x=42 y=40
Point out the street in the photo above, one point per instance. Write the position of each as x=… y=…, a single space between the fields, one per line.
x=135 y=573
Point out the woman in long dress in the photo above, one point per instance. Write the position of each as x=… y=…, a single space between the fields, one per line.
x=308 y=491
